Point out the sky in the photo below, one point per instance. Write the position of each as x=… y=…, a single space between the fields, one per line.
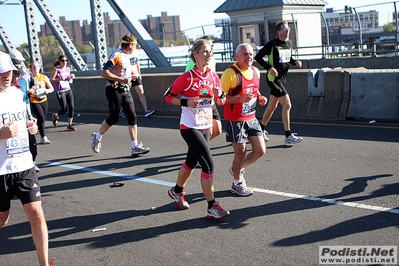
x=193 y=14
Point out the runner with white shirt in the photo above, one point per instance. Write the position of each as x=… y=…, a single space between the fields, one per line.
x=17 y=174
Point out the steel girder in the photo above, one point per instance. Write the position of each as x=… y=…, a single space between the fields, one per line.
x=5 y=39
x=61 y=36
x=135 y=27
x=100 y=41
x=33 y=38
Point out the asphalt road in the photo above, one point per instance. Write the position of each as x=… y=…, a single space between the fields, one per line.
x=339 y=187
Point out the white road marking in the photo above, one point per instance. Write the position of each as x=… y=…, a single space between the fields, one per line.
x=266 y=191
x=329 y=201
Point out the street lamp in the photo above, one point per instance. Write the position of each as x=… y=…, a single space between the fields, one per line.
x=92 y=46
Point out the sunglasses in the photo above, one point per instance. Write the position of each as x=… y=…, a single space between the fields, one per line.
x=64 y=60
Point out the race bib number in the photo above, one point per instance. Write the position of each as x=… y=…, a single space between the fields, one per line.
x=18 y=144
x=284 y=55
x=248 y=108
x=40 y=93
x=64 y=84
x=203 y=116
x=203 y=113
x=16 y=113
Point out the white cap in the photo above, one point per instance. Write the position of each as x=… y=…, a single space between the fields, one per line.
x=6 y=63
x=15 y=54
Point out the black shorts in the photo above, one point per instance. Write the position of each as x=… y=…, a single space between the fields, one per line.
x=277 y=88
x=138 y=81
x=239 y=131
x=24 y=185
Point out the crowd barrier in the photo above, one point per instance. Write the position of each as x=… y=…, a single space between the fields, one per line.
x=321 y=94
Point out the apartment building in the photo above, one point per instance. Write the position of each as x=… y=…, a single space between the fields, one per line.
x=165 y=28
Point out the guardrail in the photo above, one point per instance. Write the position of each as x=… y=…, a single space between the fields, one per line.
x=335 y=94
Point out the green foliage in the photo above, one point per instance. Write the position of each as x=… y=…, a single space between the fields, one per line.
x=50 y=47
x=83 y=49
x=168 y=43
x=389 y=27
x=24 y=49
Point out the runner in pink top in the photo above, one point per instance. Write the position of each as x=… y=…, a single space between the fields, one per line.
x=61 y=78
x=196 y=91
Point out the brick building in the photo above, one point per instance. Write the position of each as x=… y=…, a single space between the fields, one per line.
x=165 y=28
x=72 y=28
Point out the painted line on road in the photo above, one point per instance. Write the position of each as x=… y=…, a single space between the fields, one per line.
x=109 y=173
x=329 y=201
x=266 y=191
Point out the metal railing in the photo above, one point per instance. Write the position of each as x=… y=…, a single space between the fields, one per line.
x=182 y=60
x=372 y=49
x=347 y=50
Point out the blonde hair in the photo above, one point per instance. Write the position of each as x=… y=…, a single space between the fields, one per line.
x=197 y=46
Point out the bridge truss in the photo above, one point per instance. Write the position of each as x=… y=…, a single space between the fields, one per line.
x=133 y=25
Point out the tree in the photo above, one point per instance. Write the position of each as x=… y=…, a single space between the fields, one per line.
x=388 y=27
x=24 y=49
x=83 y=49
x=49 y=46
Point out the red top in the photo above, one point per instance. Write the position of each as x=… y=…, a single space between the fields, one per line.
x=192 y=84
x=242 y=111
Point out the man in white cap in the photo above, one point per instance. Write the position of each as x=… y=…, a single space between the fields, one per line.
x=17 y=175
x=23 y=80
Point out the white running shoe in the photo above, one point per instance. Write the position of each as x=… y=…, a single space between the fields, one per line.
x=265 y=133
x=292 y=139
x=241 y=190
x=244 y=183
x=140 y=150
x=45 y=140
x=95 y=144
